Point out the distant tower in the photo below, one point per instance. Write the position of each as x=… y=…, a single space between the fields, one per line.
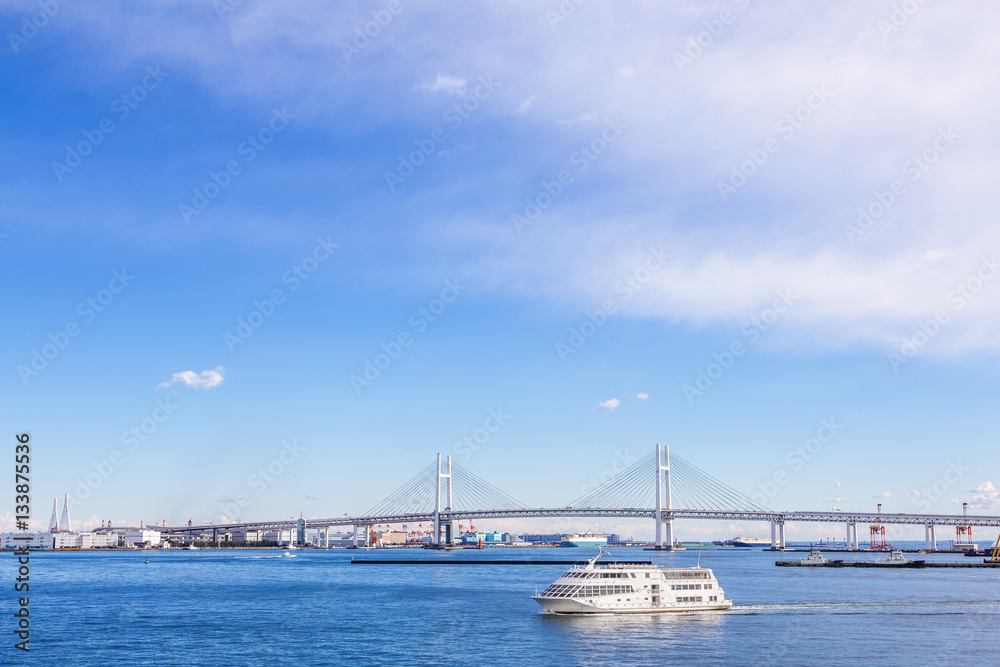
x=54 y=521
x=64 y=522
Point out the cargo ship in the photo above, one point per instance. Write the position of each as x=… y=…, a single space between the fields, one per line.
x=751 y=542
x=583 y=541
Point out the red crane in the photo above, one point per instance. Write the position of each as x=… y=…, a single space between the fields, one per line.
x=878 y=533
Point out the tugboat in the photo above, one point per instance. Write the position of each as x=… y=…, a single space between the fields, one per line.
x=815 y=558
x=894 y=558
x=618 y=588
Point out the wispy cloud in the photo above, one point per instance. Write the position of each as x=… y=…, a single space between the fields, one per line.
x=835 y=500
x=642 y=396
x=523 y=106
x=581 y=118
x=451 y=85
x=203 y=380
x=456 y=150
x=884 y=494
x=609 y=404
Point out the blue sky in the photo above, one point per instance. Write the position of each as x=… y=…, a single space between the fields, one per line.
x=688 y=176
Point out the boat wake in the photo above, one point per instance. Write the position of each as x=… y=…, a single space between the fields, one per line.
x=940 y=607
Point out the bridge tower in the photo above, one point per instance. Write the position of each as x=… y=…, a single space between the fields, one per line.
x=664 y=528
x=437 y=503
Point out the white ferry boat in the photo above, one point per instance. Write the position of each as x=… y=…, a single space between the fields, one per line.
x=618 y=588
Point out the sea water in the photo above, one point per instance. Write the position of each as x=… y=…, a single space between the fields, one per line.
x=259 y=607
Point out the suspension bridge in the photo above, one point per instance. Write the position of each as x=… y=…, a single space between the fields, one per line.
x=661 y=486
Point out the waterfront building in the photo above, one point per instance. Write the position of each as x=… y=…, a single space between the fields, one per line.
x=142 y=538
x=37 y=540
x=68 y=540
x=60 y=540
x=391 y=537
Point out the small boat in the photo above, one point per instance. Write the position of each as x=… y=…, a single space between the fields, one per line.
x=894 y=558
x=289 y=555
x=619 y=588
x=190 y=547
x=814 y=558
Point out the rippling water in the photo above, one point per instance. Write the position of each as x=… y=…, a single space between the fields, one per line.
x=257 y=607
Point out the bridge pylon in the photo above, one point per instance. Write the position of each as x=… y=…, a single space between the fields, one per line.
x=449 y=527
x=664 y=528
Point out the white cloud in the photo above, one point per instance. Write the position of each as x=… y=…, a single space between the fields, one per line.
x=829 y=500
x=203 y=380
x=456 y=150
x=580 y=118
x=642 y=396
x=609 y=404
x=525 y=104
x=451 y=85
x=912 y=492
x=884 y=494
x=987 y=496
x=837 y=483
x=730 y=259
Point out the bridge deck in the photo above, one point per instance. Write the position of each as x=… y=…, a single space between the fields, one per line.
x=717 y=515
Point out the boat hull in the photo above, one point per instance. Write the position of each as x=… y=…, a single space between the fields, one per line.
x=567 y=606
